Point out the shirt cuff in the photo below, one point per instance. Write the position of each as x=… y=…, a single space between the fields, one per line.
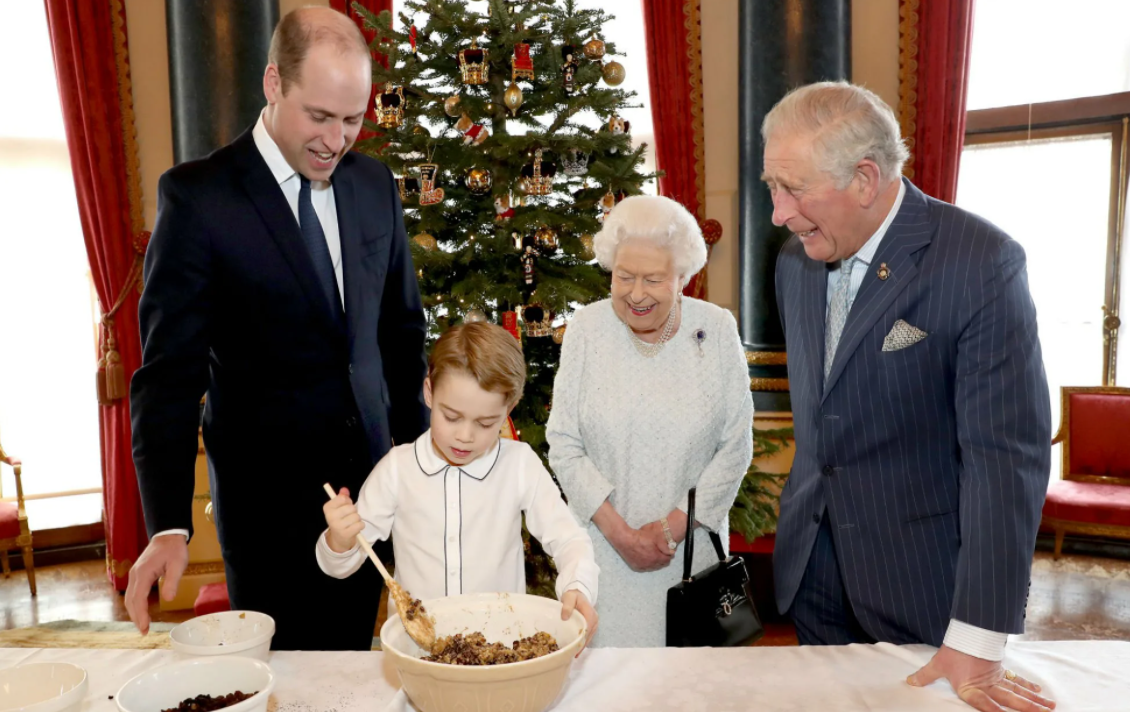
x=978 y=642
x=581 y=588
x=324 y=545
x=182 y=532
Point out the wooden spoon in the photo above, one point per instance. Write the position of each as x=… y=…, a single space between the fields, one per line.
x=419 y=625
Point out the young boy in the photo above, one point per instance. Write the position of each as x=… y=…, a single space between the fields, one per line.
x=453 y=499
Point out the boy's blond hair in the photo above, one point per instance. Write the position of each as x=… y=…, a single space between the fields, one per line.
x=487 y=353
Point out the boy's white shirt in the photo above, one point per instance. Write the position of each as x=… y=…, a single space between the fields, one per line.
x=458 y=529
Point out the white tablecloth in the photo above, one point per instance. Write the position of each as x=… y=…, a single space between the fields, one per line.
x=1092 y=676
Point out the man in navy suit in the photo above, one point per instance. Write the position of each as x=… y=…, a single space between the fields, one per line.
x=920 y=405
x=278 y=281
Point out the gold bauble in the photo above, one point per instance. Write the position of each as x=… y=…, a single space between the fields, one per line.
x=512 y=98
x=425 y=241
x=474 y=315
x=559 y=334
x=594 y=49
x=587 y=252
x=478 y=180
x=422 y=130
x=522 y=186
x=546 y=237
x=451 y=106
x=614 y=73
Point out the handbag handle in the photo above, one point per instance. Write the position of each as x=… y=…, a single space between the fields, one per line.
x=688 y=551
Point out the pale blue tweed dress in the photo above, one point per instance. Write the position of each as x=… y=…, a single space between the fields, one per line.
x=641 y=432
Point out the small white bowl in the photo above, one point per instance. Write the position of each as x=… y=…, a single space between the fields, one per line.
x=42 y=687
x=245 y=633
x=166 y=687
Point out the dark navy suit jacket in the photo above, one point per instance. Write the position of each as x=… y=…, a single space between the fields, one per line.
x=232 y=307
x=932 y=461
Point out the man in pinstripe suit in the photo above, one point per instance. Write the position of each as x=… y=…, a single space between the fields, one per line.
x=921 y=409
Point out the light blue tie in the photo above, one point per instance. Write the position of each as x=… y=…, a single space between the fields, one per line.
x=838 y=309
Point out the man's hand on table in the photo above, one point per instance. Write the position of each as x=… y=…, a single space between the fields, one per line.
x=167 y=556
x=982 y=684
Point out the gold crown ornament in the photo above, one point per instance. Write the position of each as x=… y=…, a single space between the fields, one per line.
x=473 y=64
x=390 y=105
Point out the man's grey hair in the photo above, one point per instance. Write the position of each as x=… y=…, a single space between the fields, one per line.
x=847 y=124
x=660 y=221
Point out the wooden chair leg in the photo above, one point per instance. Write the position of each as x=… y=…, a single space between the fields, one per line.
x=29 y=566
x=4 y=564
x=1058 y=543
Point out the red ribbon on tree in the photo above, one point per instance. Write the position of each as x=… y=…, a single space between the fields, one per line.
x=510 y=323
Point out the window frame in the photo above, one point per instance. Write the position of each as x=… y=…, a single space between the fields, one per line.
x=1086 y=116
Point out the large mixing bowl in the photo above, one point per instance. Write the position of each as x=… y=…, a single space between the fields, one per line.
x=527 y=686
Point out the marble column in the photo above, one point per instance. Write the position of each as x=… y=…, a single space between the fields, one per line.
x=217 y=52
x=782 y=45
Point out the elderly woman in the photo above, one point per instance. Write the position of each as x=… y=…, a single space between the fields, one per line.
x=651 y=398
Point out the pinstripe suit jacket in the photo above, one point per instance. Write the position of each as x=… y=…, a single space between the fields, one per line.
x=932 y=461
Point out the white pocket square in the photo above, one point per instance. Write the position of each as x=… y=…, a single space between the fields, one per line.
x=902 y=335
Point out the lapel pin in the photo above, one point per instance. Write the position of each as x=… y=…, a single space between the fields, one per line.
x=884 y=272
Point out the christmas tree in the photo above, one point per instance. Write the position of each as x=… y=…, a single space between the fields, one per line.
x=754 y=512
x=503 y=130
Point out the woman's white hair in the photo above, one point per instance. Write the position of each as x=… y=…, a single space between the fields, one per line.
x=659 y=221
x=847 y=124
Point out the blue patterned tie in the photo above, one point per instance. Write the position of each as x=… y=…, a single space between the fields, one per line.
x=838 y=309
x=315 y=239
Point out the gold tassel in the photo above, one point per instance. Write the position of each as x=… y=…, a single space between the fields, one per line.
x=100 y=381
x=100 y=369
x=115 y=376
x=110 y=376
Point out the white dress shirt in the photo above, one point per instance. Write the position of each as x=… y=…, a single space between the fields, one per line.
x=962 y=637
x=459 y=529
x=866 y=253
x=322 y=197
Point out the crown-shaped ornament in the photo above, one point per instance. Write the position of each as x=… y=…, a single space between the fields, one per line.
x=473 y=64
x=538 y=176
x=538 y=320
x=575 y=163
x=390 y=105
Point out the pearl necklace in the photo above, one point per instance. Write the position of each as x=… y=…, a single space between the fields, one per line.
x=649 y=350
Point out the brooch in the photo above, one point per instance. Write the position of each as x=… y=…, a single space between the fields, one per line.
x=699 y=337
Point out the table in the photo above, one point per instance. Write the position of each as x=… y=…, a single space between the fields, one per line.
x=1086 y=676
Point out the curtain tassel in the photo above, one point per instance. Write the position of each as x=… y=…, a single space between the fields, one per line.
x=110 y=376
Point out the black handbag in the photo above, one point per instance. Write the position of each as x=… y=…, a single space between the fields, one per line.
x=715 y=606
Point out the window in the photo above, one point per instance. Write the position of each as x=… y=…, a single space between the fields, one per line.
x=1047 y=154
x=48 y=411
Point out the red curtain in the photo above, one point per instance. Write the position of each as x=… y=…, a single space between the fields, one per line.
x=375 y=7
x=673 y=29
x=935 y=39
x=91 y=63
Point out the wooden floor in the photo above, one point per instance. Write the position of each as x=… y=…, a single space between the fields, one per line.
x=1075 y=598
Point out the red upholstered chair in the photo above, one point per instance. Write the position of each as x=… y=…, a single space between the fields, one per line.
x=1094 y=496
x=14 y=531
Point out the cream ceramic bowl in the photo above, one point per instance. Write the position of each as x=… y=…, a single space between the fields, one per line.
x=166 y=687
x=42 y=687
x=245 y=633
x=527 y=686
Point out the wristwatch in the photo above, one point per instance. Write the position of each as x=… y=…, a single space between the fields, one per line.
x=667 y=533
